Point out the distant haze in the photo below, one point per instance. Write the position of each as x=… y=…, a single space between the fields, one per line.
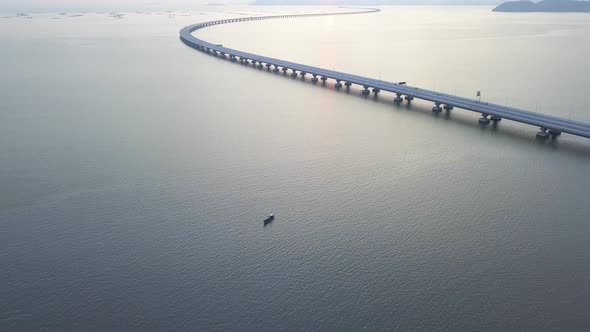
x=82 y=5
x=375 y=2
x=114 y=5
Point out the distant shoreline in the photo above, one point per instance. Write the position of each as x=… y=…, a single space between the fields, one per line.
x=545 y=6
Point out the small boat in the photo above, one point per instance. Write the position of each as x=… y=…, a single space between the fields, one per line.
x=269 y=219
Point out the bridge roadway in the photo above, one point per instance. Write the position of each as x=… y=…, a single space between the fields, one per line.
x=550 y=125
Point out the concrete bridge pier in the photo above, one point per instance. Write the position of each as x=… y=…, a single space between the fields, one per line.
x=436 y=108
x=496 y=118
x=260 y=65
x=275 y=69
x=302 y=73
x=409 y=99
x=398 y=98
x=294 y=74
x=484 y=120
x=376 y=91
x=338 y=85
x=554 y=133
x=324 y=79
x=285 y=70
x=365 y=92
x=347 y=84
x=268 y=66
x=314 y=79
x=448 y=107
x=543 y=134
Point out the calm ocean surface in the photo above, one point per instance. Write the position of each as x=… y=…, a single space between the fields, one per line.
x=135 y=173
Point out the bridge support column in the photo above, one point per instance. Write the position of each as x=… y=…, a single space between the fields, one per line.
x=543 y=134
x=302 y=73
x=294 y=74
x=285 y=70
x=554 y=132
x=347 y=84
x=484 y=119
x=260 y=65
x=268 y=66
x=409 y=99
x=376 y=91
x=398 y=99
x=365 y=92
x=324 y=79
x=314 y=79
x=448 y=107
x=276 y=69
x=496 y=118
x=338 y=85
x=436 y=108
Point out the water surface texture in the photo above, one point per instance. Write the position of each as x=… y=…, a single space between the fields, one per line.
x=135 y=173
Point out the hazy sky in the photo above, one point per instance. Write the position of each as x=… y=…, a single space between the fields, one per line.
x=105 y=5
x=64 y=5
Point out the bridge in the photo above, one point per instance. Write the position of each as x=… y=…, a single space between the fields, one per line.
x=550 y=126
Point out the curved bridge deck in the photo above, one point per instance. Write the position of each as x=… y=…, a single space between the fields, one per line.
x=548 y=124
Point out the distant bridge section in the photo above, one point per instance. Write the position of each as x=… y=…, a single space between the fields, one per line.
x=549 y=125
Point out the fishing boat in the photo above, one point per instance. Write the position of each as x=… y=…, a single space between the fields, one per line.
x=269 y=219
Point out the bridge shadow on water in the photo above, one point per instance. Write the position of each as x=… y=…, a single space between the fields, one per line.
x=514 y=131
